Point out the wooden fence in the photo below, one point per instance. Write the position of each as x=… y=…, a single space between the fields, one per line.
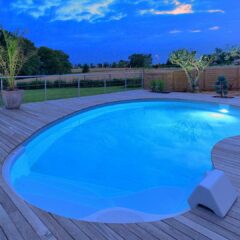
x=176 y=80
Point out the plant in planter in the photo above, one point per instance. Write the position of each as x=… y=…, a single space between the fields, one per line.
x=153 y=85
x=157 y=85
x=221 y=86
x=12 y=59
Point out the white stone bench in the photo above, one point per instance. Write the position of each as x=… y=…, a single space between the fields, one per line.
x=214 y=192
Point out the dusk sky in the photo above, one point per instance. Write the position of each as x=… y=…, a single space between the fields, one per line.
x=93 y=31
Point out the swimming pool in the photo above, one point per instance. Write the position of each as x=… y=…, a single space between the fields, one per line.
x=126 y=162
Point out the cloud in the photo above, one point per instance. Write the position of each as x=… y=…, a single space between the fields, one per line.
x=214 y=28
x=59 y=10
x=175 y=31
x=118 y=16
x=104 y=10
x=84 y=10
x=215 y=11
x=195 y=31
x=179 y=8
x=34 y=9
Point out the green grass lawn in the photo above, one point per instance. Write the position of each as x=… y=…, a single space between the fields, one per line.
x=58 y=93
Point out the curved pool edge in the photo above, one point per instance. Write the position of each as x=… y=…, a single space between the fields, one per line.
x=9 y=160
x=127 y=216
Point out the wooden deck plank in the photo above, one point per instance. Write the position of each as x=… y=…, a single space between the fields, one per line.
x=140 y=232
x=71 y=228
x=19 y=221
x=2 y=235
x=56 y=229
x=124 y=232
x=26 y=211
x=227 y=223
x=23 y=118
x=185 y=229
x=172 y=231
x=161 y=235
x=210 y=226
x=107 y=232
x=23 y=227
x=92 y=232
x=202 y=228
x=9 y=228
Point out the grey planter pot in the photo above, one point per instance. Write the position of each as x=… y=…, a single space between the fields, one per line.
x=12 y=99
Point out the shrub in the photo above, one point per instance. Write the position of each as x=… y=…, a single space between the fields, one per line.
x=153 y=85
x=40 y=84
x=157 y=85
x=36 y=84
x=85 y=69
x=134 y=83
x=60 y=83
x=221 y=86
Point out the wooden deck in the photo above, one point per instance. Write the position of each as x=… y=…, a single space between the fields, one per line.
x=19 y=220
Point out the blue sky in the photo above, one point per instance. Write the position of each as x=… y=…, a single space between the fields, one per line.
x=93 y=31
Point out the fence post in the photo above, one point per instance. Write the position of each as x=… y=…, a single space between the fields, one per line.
x=1 y=84
x=79 y=94
x=173 y=81
x=238 y=79
x=45 y=89
x=105 y=84
x=142 y=78
x=125 y=83
x=84 y=81
x=204 y=79
x=110 y=79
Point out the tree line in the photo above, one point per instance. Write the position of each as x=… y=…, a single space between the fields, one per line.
x=220 y=57
x=47 y=61
x=134 y=61
x=42 y=60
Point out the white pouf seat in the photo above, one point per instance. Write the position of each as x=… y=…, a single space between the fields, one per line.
x=214 y=192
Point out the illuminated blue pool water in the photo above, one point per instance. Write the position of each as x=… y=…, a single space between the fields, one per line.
x=128 y=162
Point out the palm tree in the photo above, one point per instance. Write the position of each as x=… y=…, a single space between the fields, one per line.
x=12 y=56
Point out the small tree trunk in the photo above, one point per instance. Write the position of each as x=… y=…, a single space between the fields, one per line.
x=196 y=81
x=190 y=84
x=195 y=88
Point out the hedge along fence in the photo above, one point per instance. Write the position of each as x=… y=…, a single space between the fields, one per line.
x=124 y=79
x=176 y=80
x=39 y=84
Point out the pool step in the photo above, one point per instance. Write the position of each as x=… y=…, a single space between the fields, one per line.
x=69 y=198
x=63 y=197
x=68 y=185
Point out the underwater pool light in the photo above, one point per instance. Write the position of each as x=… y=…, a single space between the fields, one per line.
x=217 y=115
x=224 y=110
